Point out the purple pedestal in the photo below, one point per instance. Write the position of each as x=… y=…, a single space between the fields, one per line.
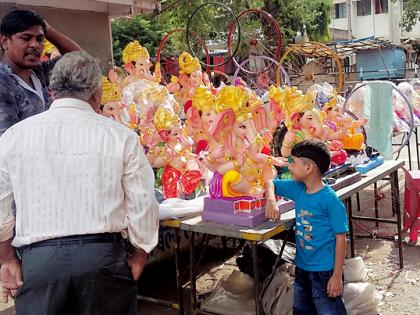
x=223 y=211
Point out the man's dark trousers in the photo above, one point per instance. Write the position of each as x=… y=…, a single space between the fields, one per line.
x=85 y=275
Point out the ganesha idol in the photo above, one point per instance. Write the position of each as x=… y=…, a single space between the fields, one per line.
x=137 y=63
x=344 y=127
x=239 y=168
x=190 y=77
x=182 y=173
x=276 y=114
x=304 y=122
x=111 y=104
x=148 y=99
x=200 y=115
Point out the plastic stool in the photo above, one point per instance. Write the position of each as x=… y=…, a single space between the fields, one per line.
x=412 y=204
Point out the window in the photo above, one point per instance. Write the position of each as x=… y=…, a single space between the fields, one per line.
x=381 y=6
x=340 y=10
x=364 y=8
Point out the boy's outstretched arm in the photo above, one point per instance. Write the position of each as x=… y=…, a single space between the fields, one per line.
x=271 y=208
x=335 y=284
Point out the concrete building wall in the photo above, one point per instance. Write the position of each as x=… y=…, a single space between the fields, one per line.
x=382 y=25
x=341 y=24
x=386 y=25
x=363 y=26
x=90 y=29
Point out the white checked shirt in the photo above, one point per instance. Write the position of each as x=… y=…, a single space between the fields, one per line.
x=71 y=172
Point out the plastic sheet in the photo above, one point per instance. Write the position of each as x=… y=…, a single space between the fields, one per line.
x=235 y=296
x=173 y=208
x=355 y=270
x=278 y=297
x=412 y=91
x=361 y=298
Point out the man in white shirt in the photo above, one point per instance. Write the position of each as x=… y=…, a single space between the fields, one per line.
x=79 y=181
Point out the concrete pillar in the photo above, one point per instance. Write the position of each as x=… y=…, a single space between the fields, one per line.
x=395 y=12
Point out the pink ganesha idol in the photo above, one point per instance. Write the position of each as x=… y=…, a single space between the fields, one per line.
x=137 y=63
x=149 y=100
x=304 y=122
x=344 y=128
x=276 y=113
x=182 y=172
x=190 y=77
x=111 y=100
x=239 y=168
x=200 y=115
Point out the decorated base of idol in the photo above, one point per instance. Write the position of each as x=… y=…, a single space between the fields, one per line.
x=245 y=211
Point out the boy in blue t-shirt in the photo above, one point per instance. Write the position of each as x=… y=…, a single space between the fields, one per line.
x=321 y=226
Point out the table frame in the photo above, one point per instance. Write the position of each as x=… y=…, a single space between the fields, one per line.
x=260 y=233
x=268 y=229
x=388 y=169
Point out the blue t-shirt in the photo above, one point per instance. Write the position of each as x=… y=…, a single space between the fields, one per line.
x=319 y=216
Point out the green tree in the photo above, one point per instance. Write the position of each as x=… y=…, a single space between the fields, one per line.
x=292 y=16
x=143 y=28
x=298 y=15
x=411 y=14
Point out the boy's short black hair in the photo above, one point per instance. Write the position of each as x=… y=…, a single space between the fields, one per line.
x=18 y=21
x=315 y=150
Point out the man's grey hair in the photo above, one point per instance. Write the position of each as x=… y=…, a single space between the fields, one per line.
x=76 y=74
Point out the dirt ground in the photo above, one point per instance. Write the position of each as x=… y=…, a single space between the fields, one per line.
x=400 y=288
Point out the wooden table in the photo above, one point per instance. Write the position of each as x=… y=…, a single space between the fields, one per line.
x=254 y=235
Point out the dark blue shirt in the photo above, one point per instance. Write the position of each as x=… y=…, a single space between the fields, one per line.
x=319 y=217
x=18 y=100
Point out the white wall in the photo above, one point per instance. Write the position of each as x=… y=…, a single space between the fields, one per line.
x=384 y=25
x=341 y=24
x=363 y=26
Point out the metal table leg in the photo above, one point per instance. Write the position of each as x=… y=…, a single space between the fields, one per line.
x=350 y=213
x=178 y=274
x=193 y=275
x=375 y=192
x=257 y=290
x=395 y=193
x=409 y=153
